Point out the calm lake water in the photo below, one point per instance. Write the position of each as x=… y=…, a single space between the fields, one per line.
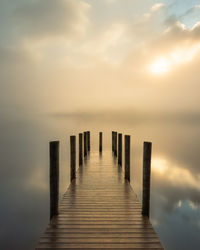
x=175 y=186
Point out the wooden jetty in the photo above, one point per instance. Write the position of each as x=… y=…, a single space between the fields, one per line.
x=100 y=209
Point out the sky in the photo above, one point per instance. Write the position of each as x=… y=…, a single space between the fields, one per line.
x=70 y=56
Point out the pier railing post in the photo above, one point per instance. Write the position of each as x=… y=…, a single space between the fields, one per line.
x=120 y=149
x=115 y=144
x=88 y=133
x=54 y=177
x=146 y=178
x=127 y=157
x=72 y=157
x=85 y=144
x=100 y=141
x=80 y=149
x=113 y=141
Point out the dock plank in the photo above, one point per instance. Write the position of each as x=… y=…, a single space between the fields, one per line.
x=99 y=210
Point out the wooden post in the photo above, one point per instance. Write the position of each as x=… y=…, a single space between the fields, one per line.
x=88 y=140
x=120 y=149
x=100 y=142
x=73 y=157
x=85 y=144
x=113 y=141
x=54 y=177
x=80 y=149
x=115 y=144
x=127 y=157
x=146 y=178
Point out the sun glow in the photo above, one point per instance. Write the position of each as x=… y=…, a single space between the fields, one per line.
x=160 y=66
x=173 y=59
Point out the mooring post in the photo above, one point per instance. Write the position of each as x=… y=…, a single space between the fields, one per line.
x=88 y=140
x=100 y=141
x=85 y=144
x=80 y=149
x=115 y=144
x=73 y=157
x=120 y=149
x=146 y=178
x=127 y=157
x=54 y=177
x=112 y=141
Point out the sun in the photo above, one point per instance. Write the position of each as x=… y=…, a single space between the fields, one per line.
x=160 y=66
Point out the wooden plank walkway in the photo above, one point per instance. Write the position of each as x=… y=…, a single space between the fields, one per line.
x=99 y=210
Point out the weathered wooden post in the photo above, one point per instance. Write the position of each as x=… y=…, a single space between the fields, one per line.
x=73 y=157
x=100 y=142
x=80 y=149
x=127 y=157
x=146 y=178
x=113 y=141
x=88 y=132
x=87 y=141
x=85 y=144
x=120 y=149
x=54 y=177
x=115 y=144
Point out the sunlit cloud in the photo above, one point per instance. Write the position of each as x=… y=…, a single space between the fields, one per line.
x=159 y=66
x=157 y=6
x=129 y=51
x=174 y=59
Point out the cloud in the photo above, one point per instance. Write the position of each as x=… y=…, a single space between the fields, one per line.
x=149 y=25
x=110 y=1
x=116 y=55
x=157 y=7
x=177 y=44
x=49 y=18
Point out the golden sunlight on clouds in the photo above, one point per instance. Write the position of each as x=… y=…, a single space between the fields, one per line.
x=173 y=59
x=157 y=6
x=159 y=66
x=176 y=175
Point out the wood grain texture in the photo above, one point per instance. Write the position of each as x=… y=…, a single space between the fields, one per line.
x=99 y=210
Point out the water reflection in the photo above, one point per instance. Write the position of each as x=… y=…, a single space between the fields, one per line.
x=174 y=175
x=24 y=178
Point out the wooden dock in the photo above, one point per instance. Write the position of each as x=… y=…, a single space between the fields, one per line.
x=99 y=210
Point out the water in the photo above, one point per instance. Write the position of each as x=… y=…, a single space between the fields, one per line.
x=175 y=182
